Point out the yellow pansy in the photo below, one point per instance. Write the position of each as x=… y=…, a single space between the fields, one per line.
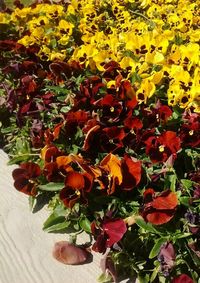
x=146 y=90
x=4 y=18
x=128 y=62
x=20 y=13
x=27 y=40
x=57 y=55
x=44 y=53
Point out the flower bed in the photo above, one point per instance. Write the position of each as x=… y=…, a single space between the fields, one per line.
x=100 y=109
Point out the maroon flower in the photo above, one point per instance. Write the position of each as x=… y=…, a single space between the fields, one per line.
x=190 y=130
x=77 y=185
x=104 y=140
x=109 y=232
x=159 y=148
x=74 y=120
x=183 y=278
x=109 y=108
x=25 y=176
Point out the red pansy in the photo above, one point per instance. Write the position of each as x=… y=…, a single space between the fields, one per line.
x=77 y=185
x=190 y=130
x=109 y=107
x=159 y=148
x=107 y=233
x=25 y=176
x=159 y=208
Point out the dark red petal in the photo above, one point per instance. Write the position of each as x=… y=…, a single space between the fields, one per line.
x=100 y=245
x=183 y=278
x=19 y=172
x=69 y=196
x=23 y=185
x=170 y=140
x=88 y=182
x=115 y=229
x=131 y=172
x=33 y=169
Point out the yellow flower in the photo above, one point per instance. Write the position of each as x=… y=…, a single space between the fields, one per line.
x=27 y=40
x=20 y=14
x=128 y=62
x=146 y=90
x=44 y=53
x=54 y=11
x=41 y=21
x=58 y=55
x=4 y=18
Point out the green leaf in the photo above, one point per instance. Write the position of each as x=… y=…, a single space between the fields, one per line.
x=156 y=248
x=58 y=216
x=31 y=201
x=184 y=201
x=105 y=278
x=187 y=184
x=173 y=183
x=155 y=271
x=58 y=227
x=146 y=226
x=51 y=187
x=85 y=225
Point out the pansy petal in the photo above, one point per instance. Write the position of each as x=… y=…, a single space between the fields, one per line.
x=115 y=229
x=166 y=200
x=159 y=217
x=131 y=172
x=75 y=180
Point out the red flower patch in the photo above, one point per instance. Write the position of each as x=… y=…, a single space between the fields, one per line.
x=25 y=176
x=159 y=208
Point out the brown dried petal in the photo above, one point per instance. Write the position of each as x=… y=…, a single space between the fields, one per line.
x=68 y=253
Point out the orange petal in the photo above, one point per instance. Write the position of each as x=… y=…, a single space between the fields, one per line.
x=113 y=166
x=168 y=201
x=75 y=180
x=158 y=218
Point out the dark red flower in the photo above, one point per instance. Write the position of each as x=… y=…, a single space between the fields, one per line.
x=131 y=172
x=190 y=130
x=159 y=208
x=25 y=178
x=50 y=152
x=183 y=278
x=104 y=140
x=89 y=90
x=133 y=123
x=159 y=148
x=109 y=108
x=154 y=116
x=107 y=233
x=74 y=120
x=77 y=185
